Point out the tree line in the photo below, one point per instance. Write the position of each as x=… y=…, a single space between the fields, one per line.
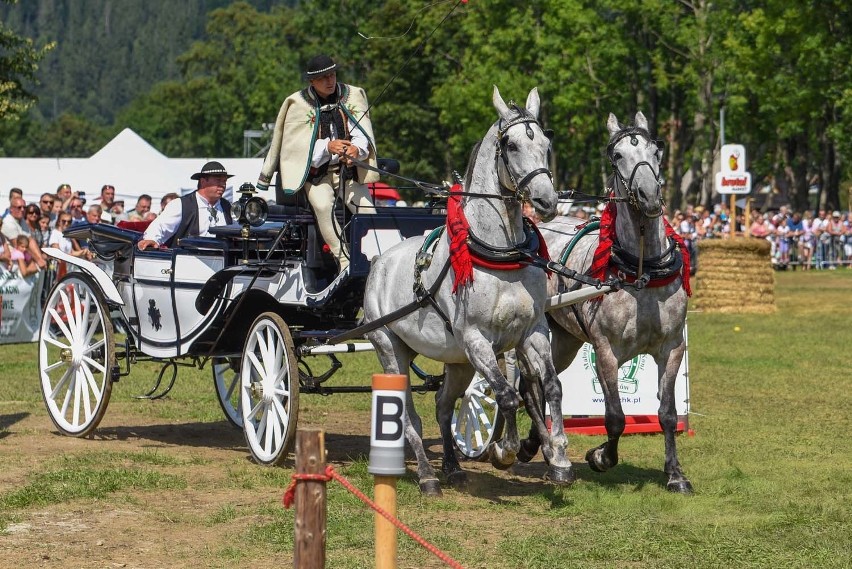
x=190 y=77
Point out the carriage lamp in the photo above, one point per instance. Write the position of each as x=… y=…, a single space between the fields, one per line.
x=250 y=209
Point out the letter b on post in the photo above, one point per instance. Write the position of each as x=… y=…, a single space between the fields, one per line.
x=387 y=432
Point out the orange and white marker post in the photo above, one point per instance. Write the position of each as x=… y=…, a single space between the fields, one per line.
x=387 y=458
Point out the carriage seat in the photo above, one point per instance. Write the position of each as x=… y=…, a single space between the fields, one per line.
x=139 y=226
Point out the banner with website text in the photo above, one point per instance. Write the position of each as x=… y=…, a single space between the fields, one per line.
x=21 y=306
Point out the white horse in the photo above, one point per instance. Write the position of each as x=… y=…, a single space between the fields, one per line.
x=648 y=319
x=464 y=325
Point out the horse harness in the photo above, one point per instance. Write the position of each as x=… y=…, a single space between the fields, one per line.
x=488 y=255
x=662 y=269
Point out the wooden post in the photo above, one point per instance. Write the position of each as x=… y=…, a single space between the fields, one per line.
x=747 y=216
x=733 y=232
x=310 y=528
x=384 y=488
x=387 y=458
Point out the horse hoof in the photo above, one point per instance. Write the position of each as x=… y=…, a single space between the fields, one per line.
x=593 y=457
x=496 y=463
x=527 y=451
x=680 y=487
x=501 y=459
x=564 y=476
x=431 y=488
x=457 y=479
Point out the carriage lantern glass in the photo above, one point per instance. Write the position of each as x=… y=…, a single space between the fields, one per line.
x=249 y=209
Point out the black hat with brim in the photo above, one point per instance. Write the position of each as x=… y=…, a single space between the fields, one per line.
x=212 y=169
x=318 y=66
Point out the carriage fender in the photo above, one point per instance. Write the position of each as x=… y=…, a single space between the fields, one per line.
x=94 y=271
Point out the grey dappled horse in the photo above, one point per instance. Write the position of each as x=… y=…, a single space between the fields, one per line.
x=498 y=311
x=628 y=322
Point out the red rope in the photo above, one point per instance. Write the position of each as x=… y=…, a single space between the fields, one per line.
x=330 y=473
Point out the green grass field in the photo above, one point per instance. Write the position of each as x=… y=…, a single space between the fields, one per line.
x=770 y=463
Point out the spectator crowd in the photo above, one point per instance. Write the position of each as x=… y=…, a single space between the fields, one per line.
x=27 y=227
x=821 y=240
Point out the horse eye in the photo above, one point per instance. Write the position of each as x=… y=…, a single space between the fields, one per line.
x=616 y=156
x=512 y=146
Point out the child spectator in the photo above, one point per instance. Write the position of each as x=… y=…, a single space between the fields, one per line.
x=22 y=262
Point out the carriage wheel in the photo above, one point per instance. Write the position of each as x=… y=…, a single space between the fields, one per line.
x=476 y=419
x=226 y=379
x=76 y=355
x=269 y=389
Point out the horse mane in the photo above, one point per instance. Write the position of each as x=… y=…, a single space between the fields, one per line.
x=468 y=173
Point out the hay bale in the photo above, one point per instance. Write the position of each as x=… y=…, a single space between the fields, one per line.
x=734 y=276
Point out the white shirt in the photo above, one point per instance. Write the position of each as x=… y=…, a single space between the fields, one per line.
x=12 y=228
x=58 y=240
x=165 y=225
x=321 y=155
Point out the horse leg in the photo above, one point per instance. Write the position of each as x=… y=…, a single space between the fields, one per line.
x=564 y=347
x=605 y=456
x=668 y=367
x=456 y=379
x=481 y=355
x=395 y=357
x=541 y=379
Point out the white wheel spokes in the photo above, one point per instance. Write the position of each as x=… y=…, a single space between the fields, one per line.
x=266 y=391
x=255 y=411
x=258 y=367
x=63 y=381
x=73 y=356
x=229 y=386
x=62 y=327
x=474 y=424
x=56 y=342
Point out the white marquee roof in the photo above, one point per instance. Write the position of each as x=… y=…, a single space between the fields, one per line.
x=127 y=162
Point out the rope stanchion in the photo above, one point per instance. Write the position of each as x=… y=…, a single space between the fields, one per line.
x=331 y=474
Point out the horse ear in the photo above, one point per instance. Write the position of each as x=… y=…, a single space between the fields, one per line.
x=533 y=102
x=502 y=108
x=641 y=121
x=612 y=124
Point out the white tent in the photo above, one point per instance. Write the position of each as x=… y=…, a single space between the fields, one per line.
x=127 y=162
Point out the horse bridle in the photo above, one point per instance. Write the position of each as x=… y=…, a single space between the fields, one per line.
x=632 y=197
x=518 y=190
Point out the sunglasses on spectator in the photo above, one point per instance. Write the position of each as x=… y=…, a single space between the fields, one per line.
x=17 y=207
x=32 y=212
x=62 y=221
x=48 y=202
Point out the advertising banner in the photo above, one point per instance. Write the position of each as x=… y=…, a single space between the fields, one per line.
x=21 y=306
x=637 y=384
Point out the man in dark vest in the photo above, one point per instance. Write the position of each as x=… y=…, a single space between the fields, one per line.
x=193 y=214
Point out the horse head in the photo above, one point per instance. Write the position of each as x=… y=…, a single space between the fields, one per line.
x=635 y=159
x=523 y=153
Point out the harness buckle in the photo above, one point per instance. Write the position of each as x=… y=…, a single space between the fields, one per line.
x=423 y=260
